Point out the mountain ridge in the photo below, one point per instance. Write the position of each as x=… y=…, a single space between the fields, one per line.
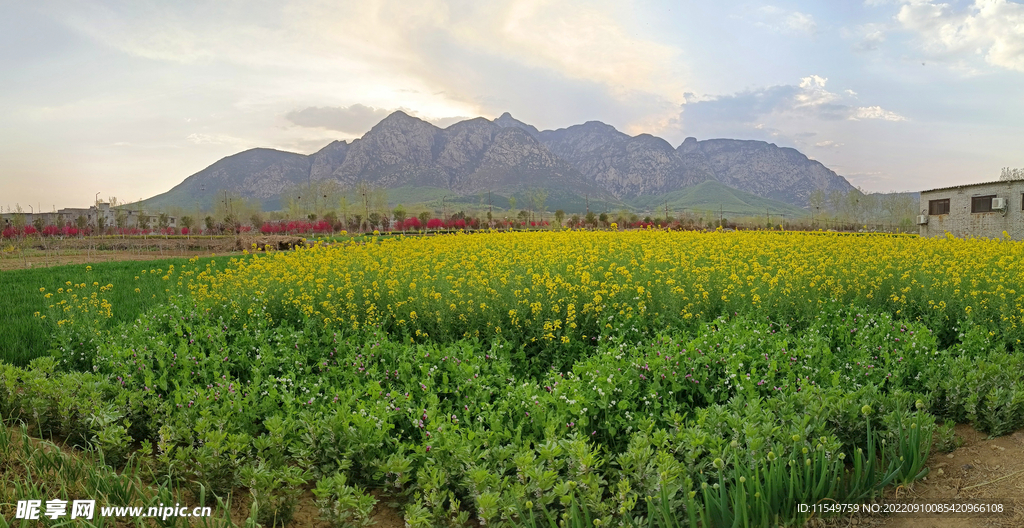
x=509 y=157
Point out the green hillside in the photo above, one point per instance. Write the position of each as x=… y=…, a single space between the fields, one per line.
x=431 y=198
x=710 y=196
x=715 y=196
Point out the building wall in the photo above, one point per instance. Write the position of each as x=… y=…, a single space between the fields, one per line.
x=962 y=223
x=70 y=215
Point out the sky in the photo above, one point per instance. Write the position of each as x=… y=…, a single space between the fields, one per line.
x=126 y=98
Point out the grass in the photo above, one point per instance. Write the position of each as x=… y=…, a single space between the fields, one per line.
x=32 y=469
x=710 y=197
x=433 y=199
x=23 y=336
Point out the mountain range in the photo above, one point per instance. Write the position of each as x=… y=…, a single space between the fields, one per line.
x=591 y=164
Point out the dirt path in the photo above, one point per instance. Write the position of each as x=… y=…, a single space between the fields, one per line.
x=986 y=469
x=50 y=253
x=66 y=258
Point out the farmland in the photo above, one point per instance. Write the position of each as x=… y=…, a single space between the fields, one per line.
x=504 y=378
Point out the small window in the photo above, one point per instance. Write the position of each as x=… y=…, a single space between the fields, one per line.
x=938 y=207
x=982 y=204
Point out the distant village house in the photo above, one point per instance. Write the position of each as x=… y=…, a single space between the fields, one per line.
x=102 y=210
x=975 y=210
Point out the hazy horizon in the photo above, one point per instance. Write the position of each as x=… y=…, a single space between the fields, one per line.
x=129 y=98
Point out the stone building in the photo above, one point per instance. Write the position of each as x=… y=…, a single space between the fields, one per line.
x=974 y=210
x=70 y=215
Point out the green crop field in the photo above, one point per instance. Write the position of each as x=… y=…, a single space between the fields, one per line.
x=574 y=378
x=24 y=336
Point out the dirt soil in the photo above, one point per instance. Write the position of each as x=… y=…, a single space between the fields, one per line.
x=981 y=469
x=49 y=253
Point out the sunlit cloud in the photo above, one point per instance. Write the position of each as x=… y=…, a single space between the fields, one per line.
x=993 y=29
x=810 y=98
x=875 y=112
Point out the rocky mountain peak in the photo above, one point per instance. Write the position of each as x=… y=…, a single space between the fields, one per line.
x=399 y=120
x=506 y=120
x=598 y=126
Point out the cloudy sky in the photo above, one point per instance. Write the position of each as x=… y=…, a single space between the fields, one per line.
x=127 y=98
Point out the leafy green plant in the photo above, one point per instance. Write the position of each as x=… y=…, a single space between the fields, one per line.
x=275 y=491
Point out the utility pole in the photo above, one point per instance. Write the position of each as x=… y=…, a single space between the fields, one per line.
x=366 y=209
x=721 y=218
x=588 y=203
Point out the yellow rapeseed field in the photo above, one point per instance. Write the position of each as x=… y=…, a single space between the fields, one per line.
x=570 y=285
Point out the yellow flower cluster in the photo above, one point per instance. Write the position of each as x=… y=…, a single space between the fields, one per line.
x=79 y=300
x=565 y=285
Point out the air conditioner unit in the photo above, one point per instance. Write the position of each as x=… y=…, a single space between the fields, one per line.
x=922 y=219
x=999 y=203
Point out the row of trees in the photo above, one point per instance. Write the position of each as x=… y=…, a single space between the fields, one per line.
x=859 y=208
x=363 y=207
x=1011 y=174
x=326 y=205
x=70 y=230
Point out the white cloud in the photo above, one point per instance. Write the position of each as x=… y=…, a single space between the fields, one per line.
x=991 y=28
x=794 y=113
x=871 y=41
x=801 y=22
x=868 y=37
x=581 y=40
x=875 y=112
x=445 y=122
x=782 y=21
x=354 y=119
x=217 y=139
x=813 y=93
x=393 y=53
